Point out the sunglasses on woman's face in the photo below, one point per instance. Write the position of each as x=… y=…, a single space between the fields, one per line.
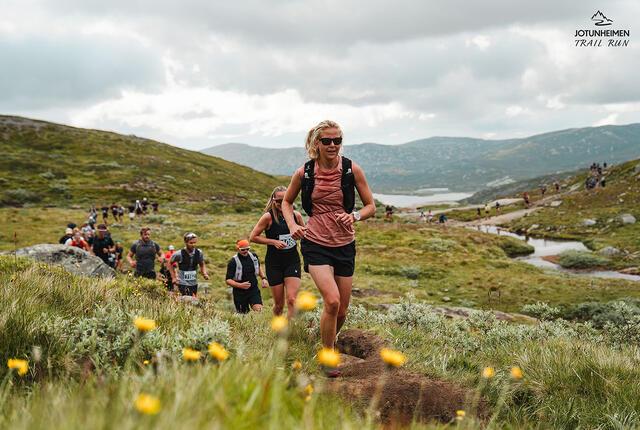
x=326 y=141
x=277 y=200
x=245 y=249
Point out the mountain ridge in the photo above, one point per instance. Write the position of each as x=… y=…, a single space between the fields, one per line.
x=458 y=163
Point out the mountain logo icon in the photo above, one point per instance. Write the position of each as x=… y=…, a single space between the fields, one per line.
x=600 y=20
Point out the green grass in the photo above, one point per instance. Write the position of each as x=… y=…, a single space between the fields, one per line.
x=620 y=196
x=45 y=163
x=582 y=260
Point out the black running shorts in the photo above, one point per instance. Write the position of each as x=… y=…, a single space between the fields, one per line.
x=280 y=265
x=188 y=290
x=148 y=275
x=245 y=299
x=341 y=258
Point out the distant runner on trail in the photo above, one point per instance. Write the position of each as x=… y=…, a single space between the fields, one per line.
x=138 y=208
x=188 y=259
x=557 y=185
x=144 y=251
x=487 y=209
x=68 y=234
x=328 y=183
x=119 y=251
x=105 y=212
x=430 y=216
x=478 y=213
x=78 y=241
x=423 y=216
x=525 y=196
x=132 y=210
x=442 y=219
x=497 y=208
x=242 y=270
x=103 y=245
x=154 y=205
x=282 y=261
x=543 y=190
x=145 y=205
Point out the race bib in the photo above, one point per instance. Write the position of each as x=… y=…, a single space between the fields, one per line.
x=286 y=238
x=189 y=275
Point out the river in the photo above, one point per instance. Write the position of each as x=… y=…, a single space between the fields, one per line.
x=544 y=247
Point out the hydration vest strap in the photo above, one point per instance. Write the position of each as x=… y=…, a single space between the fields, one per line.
x=238 y=275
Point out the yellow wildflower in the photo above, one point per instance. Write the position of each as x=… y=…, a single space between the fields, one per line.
x=307 y=398
x=218 y=351
x=297 y=365
x=393 y=358
x=20 y=365
x=329 y=357
x=145 y=324
x=308 y=389
x=146 y=362
x=147 y=404
x=488 y=372
x=461 y=413
x=190 y=354
x=516 y=372
x=279 y=323
x=306 y=301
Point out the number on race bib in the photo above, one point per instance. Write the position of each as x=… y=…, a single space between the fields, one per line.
x=286 y=238
x=190 y=275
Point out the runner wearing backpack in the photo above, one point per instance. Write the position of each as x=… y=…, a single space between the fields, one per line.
x=328 y=182
x=242 y=270
x=144 y=251
x=282 y=261
x=188 y=259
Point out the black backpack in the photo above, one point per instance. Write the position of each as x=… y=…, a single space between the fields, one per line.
x=347 y=185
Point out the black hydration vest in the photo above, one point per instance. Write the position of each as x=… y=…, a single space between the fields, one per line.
x=189 y=262
x=347 y=185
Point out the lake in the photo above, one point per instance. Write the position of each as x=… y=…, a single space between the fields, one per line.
x=409 y=201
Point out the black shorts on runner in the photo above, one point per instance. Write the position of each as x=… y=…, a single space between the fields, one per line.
x=245 y=299
x=188 y=290
x=341 y=258
x=148 y=275
x=280 y=265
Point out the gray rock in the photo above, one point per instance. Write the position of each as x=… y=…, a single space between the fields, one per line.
x=555 y=203
x=637 y=168
x=586 y=222
x=459 y=312
x=626 y=219
x=609 y=251
x=533 y=227
x=189 y=300
x=446 y=299
x=71 y=258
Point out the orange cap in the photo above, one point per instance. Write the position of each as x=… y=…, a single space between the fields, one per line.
x=242 y=243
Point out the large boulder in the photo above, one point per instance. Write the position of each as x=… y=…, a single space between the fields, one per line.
x=627 y=219
x=587 y=222
x=71 y=258
x=555 y=203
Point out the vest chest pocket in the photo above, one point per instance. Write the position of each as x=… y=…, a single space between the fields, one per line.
x=286 y=238
x=189 y=275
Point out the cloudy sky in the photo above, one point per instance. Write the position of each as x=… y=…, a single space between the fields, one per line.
x=200 y=73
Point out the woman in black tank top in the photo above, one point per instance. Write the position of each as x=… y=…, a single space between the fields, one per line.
x=282 y=261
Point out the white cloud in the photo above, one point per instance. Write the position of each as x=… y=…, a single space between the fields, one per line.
x=608 y=120
x=480 y=41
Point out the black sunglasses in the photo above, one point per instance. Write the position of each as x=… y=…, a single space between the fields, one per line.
x=277 y=200
x=326 y=141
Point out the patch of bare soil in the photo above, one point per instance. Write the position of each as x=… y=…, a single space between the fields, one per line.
x=398 y=396
x=551 y=259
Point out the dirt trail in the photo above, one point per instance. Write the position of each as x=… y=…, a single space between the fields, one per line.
x=400 y=396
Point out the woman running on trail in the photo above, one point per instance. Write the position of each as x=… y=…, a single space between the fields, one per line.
x=328 y=182
x=282 y=261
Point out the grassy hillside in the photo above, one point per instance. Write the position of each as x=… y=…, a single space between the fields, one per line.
x=602 y=205
x=45 y=163
x=87 y=364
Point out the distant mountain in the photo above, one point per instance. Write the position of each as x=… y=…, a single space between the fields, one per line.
x=46 y=163
x=459 y=163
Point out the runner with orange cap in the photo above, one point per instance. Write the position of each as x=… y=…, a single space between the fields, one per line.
x=242 y=270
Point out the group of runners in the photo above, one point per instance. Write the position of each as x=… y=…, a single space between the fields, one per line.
x=596 y=177
x=327 y=184
x=135 y=208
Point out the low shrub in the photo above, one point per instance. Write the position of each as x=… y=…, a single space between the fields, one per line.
x=20 y=196
x=582 y=260
x=514 y=247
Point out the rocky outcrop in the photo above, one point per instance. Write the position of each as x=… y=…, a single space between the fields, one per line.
x=626 y=219
x=609 y=251
x=555 y=203
x=587 y=222
x=72 y=259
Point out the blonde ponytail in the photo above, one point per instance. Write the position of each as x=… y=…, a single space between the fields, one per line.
x=269 y=207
